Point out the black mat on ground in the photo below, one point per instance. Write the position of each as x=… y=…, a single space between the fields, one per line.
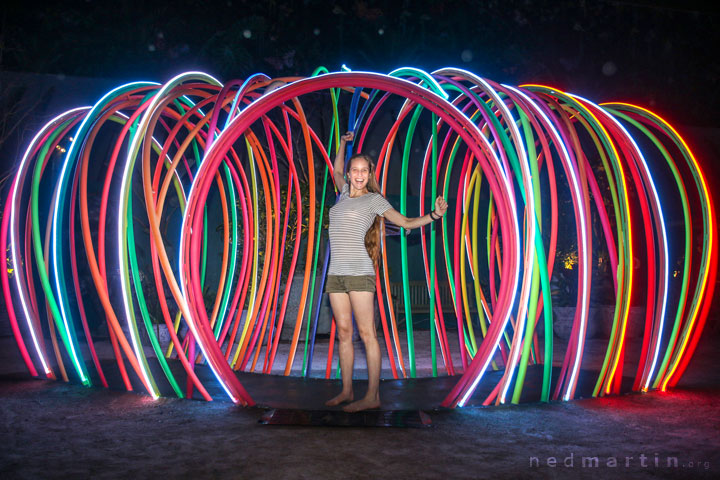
x=280 y=392
x=338 y=418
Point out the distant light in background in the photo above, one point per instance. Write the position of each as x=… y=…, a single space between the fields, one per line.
x=381 y=31
x=609 y=69
x=316 y=31
x=466 y=55
x=570 y=260
x=247 y=33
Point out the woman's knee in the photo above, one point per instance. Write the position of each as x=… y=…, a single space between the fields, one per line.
x=345 y=331
x=367 y=333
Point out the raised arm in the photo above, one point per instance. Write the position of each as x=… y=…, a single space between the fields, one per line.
x=409 y=223
x=339 y=164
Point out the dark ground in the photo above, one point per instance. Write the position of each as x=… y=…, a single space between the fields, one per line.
x=58 y=430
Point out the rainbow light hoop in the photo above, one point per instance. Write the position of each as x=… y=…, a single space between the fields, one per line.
x=244 y=145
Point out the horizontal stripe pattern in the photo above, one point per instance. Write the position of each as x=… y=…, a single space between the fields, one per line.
x=350 y=219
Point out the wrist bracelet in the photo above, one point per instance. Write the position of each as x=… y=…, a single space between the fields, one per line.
x=433 y=217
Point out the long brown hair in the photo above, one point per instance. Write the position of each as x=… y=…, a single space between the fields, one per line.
x=372 y=237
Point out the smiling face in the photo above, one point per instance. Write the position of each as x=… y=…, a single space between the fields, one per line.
x=359 y=174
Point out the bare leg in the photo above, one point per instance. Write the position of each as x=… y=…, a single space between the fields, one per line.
x=363 y=307
x=340 y=303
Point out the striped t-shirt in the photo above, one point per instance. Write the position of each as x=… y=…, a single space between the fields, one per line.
x=350 y=219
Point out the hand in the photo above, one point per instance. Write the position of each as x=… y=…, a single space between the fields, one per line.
x=441 y=206
x=348 y=137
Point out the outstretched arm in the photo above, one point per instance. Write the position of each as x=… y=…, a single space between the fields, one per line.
x=409 y=223
x=339 y=164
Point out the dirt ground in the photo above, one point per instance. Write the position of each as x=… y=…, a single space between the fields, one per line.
x=58 y=430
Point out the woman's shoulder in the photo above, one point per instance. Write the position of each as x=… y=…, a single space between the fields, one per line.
x=376 y=196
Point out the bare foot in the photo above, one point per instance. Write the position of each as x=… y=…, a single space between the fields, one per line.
x=362 y=404
x=343 y=397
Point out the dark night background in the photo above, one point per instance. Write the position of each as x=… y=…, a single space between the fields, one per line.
x=658 y=53
x=661 y=54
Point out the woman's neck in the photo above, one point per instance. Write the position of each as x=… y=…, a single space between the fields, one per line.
x=354 y=192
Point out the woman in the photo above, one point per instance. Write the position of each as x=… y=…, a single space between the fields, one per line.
x=354 y=255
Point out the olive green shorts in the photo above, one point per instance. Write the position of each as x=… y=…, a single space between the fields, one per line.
x=350 y=283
